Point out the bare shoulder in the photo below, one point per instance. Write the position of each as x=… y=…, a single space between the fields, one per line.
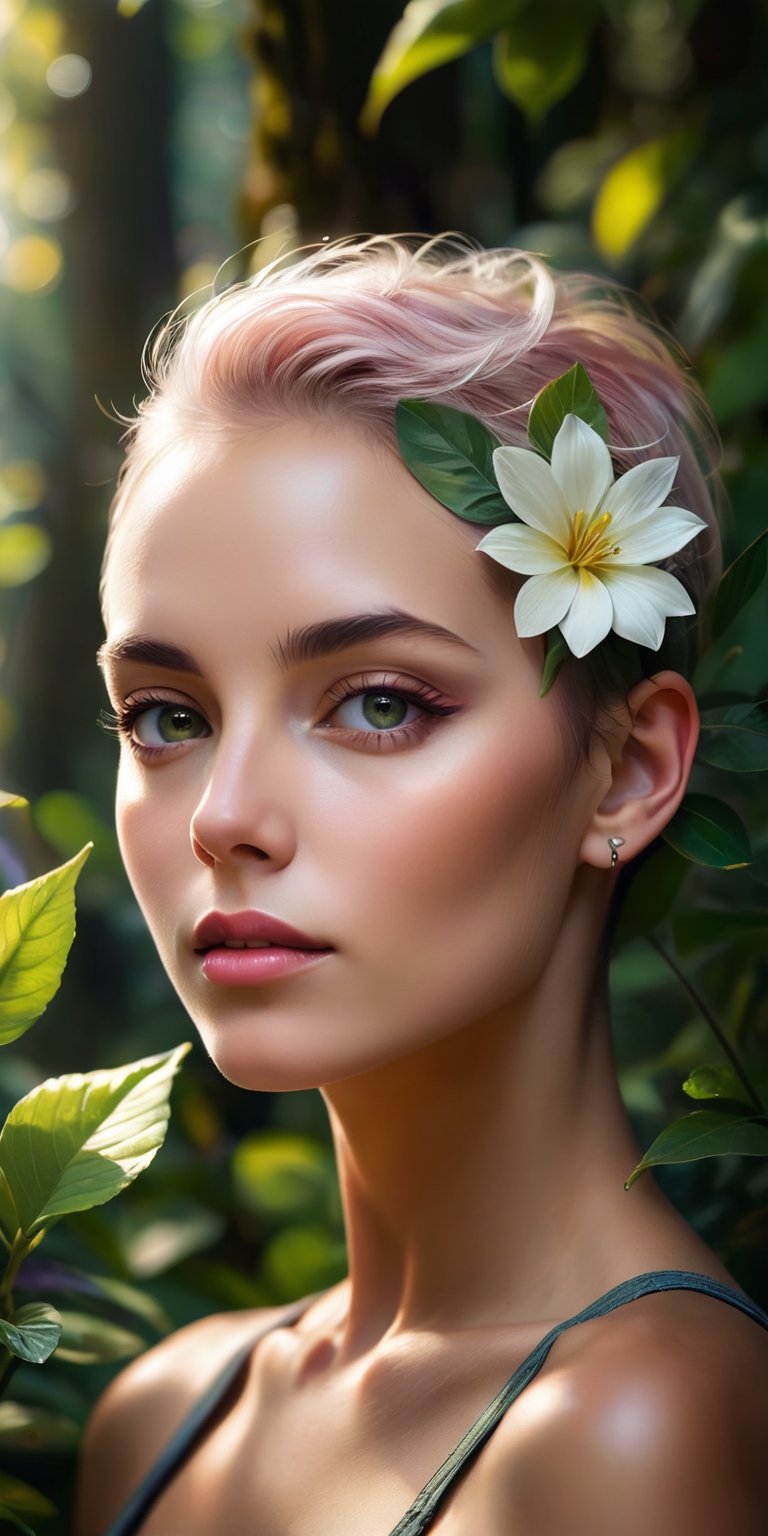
x=139 y=1412
x=649 y=1419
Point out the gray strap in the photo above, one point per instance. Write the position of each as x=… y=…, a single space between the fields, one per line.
x=427 y=1503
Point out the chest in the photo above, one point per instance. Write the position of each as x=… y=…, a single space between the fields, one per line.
x=340 y=1457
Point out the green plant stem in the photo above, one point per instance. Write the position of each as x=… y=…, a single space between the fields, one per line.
x=706 y=1013
x=7 y=1368
x=19 y=1251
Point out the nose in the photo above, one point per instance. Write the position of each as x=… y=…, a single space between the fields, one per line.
x=243 y=814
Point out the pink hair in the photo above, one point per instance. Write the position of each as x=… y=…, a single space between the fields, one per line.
x=351 y=328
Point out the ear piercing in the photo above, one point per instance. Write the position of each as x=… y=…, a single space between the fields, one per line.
x=615 y=843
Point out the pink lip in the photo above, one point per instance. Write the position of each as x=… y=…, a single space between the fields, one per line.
x=219 y=928
x=285 y=949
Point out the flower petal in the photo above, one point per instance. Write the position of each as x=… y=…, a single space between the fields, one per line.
x=643 y=599
x=589 y=617
x=658 y=535
x=543 y=601
x=581 y=465
x=528 y=486
x=640 y=491
x=523 y=549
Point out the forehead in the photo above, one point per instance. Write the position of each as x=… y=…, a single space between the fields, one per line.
x=299 y=521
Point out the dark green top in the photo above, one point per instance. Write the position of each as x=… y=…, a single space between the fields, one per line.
x=426 y=1504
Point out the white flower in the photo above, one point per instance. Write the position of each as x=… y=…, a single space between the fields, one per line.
x=588 y=541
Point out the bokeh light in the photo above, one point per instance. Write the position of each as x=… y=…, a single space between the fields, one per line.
x=45 y=194
x=7 y=108
x=23 y=485
x=32 y=264
x=69 y=75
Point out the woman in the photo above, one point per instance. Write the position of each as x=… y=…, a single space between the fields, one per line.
x=379 y=857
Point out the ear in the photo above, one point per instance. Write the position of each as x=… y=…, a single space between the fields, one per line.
x=650 y=764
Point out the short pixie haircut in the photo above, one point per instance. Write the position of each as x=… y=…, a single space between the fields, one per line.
x=344 y=331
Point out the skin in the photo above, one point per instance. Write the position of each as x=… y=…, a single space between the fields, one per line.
x=460 y=870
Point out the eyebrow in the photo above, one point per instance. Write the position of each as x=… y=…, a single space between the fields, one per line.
x=154 y=653
x=296 y=647
x=316 y=640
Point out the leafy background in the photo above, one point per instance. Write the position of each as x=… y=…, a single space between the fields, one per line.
x=143 y=145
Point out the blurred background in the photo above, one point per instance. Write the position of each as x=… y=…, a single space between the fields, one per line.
x=150 y=149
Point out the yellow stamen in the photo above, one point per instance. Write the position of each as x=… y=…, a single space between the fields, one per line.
x=589 y=545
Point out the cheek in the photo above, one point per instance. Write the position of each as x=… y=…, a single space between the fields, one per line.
x=476 y=857
x=150 y=847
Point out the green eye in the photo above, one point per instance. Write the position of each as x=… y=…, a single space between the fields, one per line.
x=384 y=711
x=168 y=725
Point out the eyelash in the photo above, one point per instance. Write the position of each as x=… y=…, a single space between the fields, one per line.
x=428 y=700
x=120 y=723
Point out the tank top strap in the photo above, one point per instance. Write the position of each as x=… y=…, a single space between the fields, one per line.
x=196 y=1423
x=427 y=1503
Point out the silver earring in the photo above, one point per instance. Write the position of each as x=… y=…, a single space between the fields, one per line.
x=615 y=843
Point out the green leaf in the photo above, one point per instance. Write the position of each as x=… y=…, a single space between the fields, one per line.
x=571 y=394
x=738 y=382
x=430 y=33
x=128 y=1298
x=715 y=1082
x=652 y=894
x=557 y=654
x=705 y=1133
x=159 y=1244
x=89 y=1340
x=34 y=1333
x=278 y=1174
x=20 y=1497
x=704 y=929
x=707 y=831
x=450 y=453
x=25 y=550
x=300 y=1260
x=543 y=54
x=739 y=583
x=8 y=1514
x=735 y=738
x=35 y=1429
x=37 y=926
x=130 y=7
x=74 y=1142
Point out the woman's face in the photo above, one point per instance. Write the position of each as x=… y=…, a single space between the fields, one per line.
x=392 y=788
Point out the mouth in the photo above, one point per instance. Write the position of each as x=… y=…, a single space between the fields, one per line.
x=252 y=930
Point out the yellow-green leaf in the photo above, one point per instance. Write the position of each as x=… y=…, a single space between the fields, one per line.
x=74 y=1142
x=632 y=193
x=37 y=926
x=11 y=802
x=543 y=54
x=19 y=1496
x=35 y=1429
x=283 y=1175
x=718 y=1081
x=25 y=550
x=430 y=33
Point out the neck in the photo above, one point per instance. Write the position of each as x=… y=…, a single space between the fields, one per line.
x=483 y=1179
